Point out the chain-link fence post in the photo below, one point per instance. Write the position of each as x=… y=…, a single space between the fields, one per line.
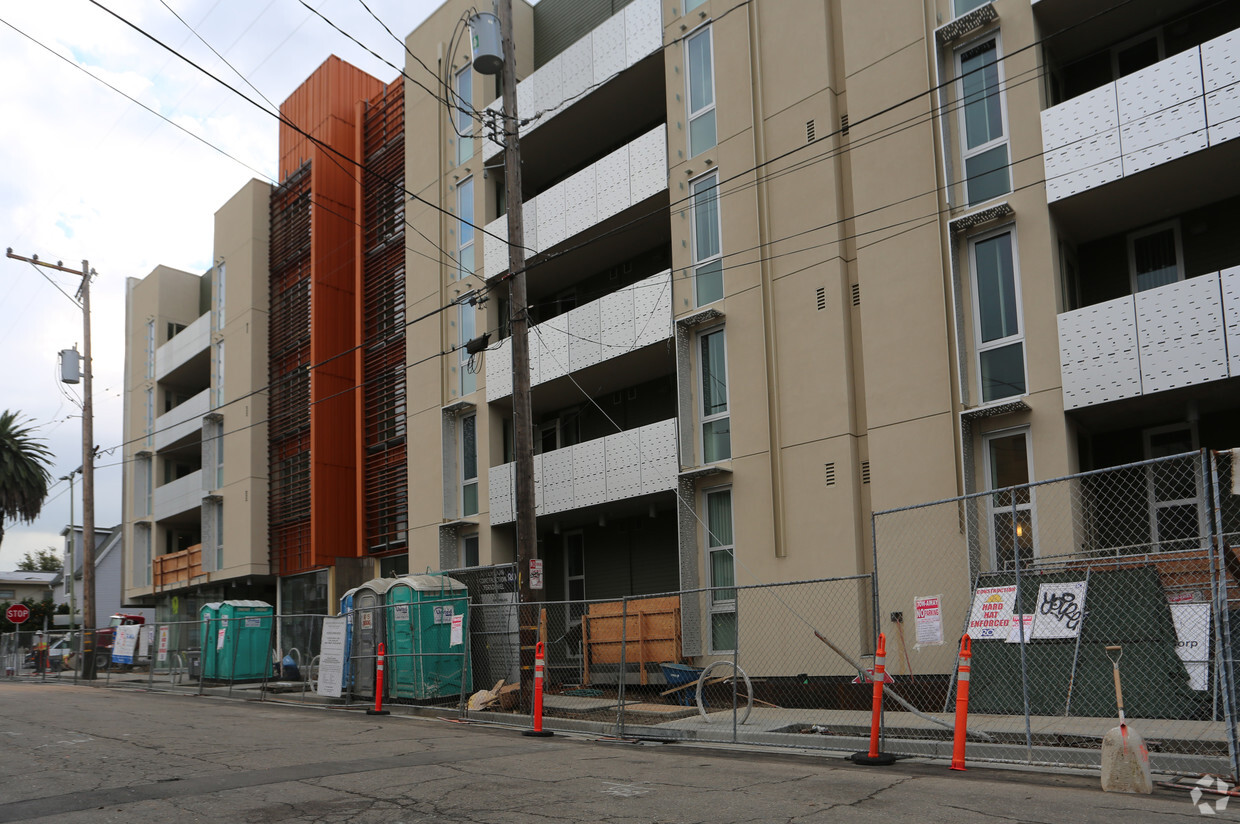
x=624 y=648
x=1222 y=609
x=1024 y=667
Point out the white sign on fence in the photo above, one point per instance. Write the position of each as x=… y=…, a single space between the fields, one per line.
x=1192 y=632
x=163 y=643
x=144 y=641
x=991 y=616
x=331 y=657
x=929 y=612
x=124 y=644
x=458 y=630
x=1020 y=622
x=1060 y=610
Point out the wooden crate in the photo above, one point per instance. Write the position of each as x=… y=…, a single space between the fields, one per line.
x=650 y=627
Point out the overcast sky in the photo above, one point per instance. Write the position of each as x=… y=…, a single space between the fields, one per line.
x=87 y=174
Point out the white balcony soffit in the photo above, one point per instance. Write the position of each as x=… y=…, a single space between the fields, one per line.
x=182 y=420
x=1166 y=338
x=623 y=178
x=621 y=41
x=188 y=342
x=624 y=465
x=624 y=321
x=1178 y=106
x=179 y=496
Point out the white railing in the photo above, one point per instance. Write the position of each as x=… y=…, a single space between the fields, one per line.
x=623 y=40
x=624 y=465
x=623 y=178
x=1165 y=338
x=1178 y=106
x=182 y=420
x=181 y=495
x=184 y=345
x=624 y=321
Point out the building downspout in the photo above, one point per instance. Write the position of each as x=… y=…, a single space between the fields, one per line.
x=441 y=194
x=768 y=306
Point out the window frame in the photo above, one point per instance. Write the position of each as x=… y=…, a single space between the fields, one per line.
x=465 y=222
x=467 y=381
x=967 y=153
x=465 y=482
x=698 y=262
x=692 y=115
x=978 y=345
x=976 y=4
x=462 y=120
x=1130 y=241
x=719 y=606
x=703 y=417
x=992 y=509
x=1151 y=488
x=463 y=546
x=574 y=610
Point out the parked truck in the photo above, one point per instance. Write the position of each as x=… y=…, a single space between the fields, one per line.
x=106 y=636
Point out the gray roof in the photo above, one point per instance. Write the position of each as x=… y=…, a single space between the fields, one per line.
x=21 y=577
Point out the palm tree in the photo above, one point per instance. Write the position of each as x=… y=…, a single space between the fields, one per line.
x=23 y=472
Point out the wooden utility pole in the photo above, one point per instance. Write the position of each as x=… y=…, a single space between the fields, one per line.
x=523 y=428
x=88 y=464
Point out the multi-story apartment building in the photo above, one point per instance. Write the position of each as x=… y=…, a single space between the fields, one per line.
x=792 y=263
x=195 y=488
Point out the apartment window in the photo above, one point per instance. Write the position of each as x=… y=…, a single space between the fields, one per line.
x=150 y=414
x=1000 y=342
x=466 y=322
x=219 y=297
x=469 y=551
x=469 y=466
x=219 y=534
x=142 y=555
x=463 y=119
x=707 y=240
x=175 y=329
x=1173 y=489
x=983 y=133
x=1155 y=257
x=690 y=5
x=700 y=76
x=142 y=478
x=960 y=7
x=150 y=349
x=716 y=420
x=574 y=589
x=1011 y=510
x=8 y=594
x=721 y=563
x=219 y=375
x=465 y=230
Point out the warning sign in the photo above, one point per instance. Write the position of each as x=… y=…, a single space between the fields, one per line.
x=1061 y=608
x=991 y=616
x=929 y=611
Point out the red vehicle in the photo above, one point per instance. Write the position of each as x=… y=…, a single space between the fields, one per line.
x=106 y=635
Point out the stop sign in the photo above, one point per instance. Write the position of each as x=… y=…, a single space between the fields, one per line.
x=18 y=613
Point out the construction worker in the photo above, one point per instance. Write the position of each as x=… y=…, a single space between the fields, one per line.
x=40 y=653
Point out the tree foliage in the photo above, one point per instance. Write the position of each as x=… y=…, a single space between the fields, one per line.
x=39 y=610
x=24 y=476
x=45 y=560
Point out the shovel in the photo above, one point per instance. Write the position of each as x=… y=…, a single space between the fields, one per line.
x=1125 y=759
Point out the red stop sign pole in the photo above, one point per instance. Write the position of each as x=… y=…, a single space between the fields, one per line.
x=17 y=613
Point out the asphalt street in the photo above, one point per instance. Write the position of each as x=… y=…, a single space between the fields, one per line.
x=86 y=754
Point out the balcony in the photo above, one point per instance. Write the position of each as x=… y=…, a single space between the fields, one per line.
x=624 y=321
x=182 y=421
x=178 y=567
x=1166 y=338
x=627 y=464
x=620 y=180
x=624 y=40
x=179 y=496
x=1174 y=108
x=179 y=350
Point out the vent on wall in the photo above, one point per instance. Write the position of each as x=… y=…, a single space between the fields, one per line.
x=830 y=473
x=865 y=472
x=809 y=131
x=856 y=292
x=843 y=124
x=822 y=298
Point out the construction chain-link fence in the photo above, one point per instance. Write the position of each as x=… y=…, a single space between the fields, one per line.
x=1045 y=578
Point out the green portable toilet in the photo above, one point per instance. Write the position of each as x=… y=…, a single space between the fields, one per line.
x=242 y=641
x=208 y=629
x=422 y=663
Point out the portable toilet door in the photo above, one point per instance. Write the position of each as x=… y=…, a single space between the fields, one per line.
x=368 y=632
x=424 y=664
x=346 y=612
x=247 y=635
x=208 y=639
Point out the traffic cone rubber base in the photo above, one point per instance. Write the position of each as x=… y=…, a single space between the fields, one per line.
x=538 y=733
x=377 y=712
x=883 y=759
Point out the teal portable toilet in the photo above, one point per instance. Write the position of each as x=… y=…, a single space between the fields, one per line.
x=369 y=623
x=242 y=644
x=422 y=662
x=208 y=629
